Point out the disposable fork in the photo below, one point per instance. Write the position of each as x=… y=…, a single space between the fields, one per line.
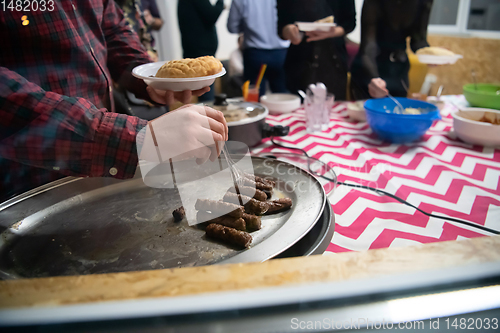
x=397 y=103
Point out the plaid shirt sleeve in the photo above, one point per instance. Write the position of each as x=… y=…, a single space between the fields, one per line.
x=64 y=134
x=125 y=51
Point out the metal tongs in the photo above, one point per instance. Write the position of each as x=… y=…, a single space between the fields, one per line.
x=236 y=173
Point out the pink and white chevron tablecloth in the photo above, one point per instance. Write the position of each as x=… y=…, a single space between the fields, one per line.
x=439 y=174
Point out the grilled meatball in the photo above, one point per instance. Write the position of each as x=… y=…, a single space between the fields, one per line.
x=228 y=235
x=179 y=214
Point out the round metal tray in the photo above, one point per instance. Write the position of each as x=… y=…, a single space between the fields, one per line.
x=315 y=241
x=81 y=226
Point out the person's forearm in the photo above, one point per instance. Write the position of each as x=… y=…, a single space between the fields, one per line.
x=285 y=17
x=234 y=19
x=64 y=134
x=347 y=18
x=369 y=66
x=368 y=50
x=288 y=32
x=338 y=32
x=134 y=85
x=419 y=36
x=157 y=23
x=125 y=51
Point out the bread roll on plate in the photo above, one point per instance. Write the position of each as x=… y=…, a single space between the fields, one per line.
x=434 y=50
x=328 y=19
x=433 y=55
x=180 y=75
x=202 y=66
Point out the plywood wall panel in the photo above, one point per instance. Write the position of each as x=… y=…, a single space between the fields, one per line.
x=480 y=54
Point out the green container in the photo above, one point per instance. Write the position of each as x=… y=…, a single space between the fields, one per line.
x=484 y=95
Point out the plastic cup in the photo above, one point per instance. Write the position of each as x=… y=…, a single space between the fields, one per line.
x=253 y=94
x=318 y=113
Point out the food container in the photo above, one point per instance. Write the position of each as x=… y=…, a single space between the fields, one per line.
x=400 y=128
x=280 y=103
x=247 y=120
x=469 y=125
x=483 y=95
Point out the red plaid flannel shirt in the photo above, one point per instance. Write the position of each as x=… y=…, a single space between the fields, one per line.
x=55 y=79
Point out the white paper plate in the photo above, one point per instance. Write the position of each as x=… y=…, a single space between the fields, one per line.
x=438 y=60
x=313 y=26
x=147 y=73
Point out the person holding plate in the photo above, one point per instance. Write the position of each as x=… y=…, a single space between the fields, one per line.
x=381 y=65
x=197 y=19
x=56 y=116
x=257 y=20
x=316 y=56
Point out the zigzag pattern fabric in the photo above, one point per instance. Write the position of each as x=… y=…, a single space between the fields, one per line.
x=439 y=174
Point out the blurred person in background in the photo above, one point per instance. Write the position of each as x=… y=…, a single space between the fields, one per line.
x=152 y=15
x=257 y=20
x=381 y=65
x=316 y=56
x=235 y=77
x=197 y=20
x=134 y=15
x=236 y=67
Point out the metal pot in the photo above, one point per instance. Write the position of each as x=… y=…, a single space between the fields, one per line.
x=251 y=127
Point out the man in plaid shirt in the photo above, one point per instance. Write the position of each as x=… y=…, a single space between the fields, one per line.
x=56 y=70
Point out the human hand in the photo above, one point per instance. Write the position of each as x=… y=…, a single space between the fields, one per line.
x=148 y=17
x=378 y=88
x=291 y=32
x=168 y=97
x=152 y=55
x=320 y=35
x=191 y=131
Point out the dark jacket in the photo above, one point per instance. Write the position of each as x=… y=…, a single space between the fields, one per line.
x=385 y=26
x=197 y=25
x=321 y=61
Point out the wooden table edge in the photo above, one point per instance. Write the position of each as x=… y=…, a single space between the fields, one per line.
x=86 y=289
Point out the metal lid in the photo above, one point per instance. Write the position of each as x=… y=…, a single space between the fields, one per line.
x=238 y=112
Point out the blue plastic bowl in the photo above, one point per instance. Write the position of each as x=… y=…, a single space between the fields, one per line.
x=399 y=128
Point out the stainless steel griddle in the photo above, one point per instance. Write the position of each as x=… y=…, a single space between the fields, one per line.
x=79 y=226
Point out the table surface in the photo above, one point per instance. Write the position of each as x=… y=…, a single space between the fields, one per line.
x=439 y=174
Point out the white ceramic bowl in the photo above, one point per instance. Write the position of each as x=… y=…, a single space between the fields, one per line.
x=314 y=26
x=281 y=103
x=469 y=129
x=147 y=73
x=356 y=110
